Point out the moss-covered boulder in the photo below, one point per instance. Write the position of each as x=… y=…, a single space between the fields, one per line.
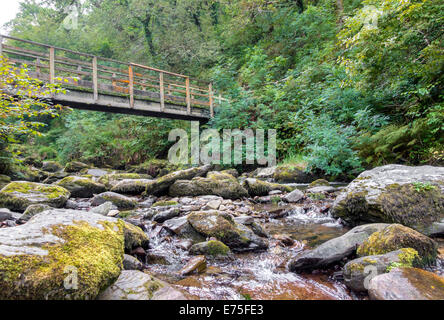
x=54 y=177
x=210 y=248
x=156 y=167
x=396 y=236
x=32 y=210
x=56 y=249
x=51 y=166
x=358 y=272
x=161 y=185
x=222 y=226
x=294 y=173
x=256 y=187
x=136 y=285
x=412 y=196
x=407 y=284
x=319 y=183
x=112 y=179
x=131 y=186
x=219 y=184
x=75 y=166
x=120 y=201
x=4 y=180
x=18 y=195
x=81 y=187
x=135 y=237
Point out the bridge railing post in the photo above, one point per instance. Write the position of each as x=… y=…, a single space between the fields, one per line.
x=131 y=85
x=188 y=93
x=210 y=98
x=95 y=79
x=52 y=65
x=162 y=92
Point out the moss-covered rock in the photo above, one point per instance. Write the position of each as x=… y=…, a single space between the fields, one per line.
x=120 y=201
x=210 y=248
x=219 y=184
x=166 y=203
x=112 y=179
x=18 y=195
x=32 y=210
x=395 y=237
x=136 y=285
x=412 y=196
x=51 y=166
x=75 y=166
x=54 y=177
x=358 y=272
x=131 y=186
x=292 y=173
x=256 y=187
x=156 y=167
x=319 y=183
x=135 y=237
x=161 y=185
x=222 y=227
x=81 y=187
x=67 y=247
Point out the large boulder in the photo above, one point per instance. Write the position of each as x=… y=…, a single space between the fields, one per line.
x=32 y=210
x=111 y=179
x=75 y=166
x=57 y=251
x=396 y=236
x=131 y=186
x=256 y=187
x=134 y=237
x=182 y=228
x=136 y=285
x=81 y=187
x=219 y=184
x=412 y=196
x=210 y=248
x=358 y=272
x=120 y=201
x=407 y=284
x=292 y=173
x=161 y=185
x=18 y=195
x=222 y=226
x=51 y=166
x=334 y=250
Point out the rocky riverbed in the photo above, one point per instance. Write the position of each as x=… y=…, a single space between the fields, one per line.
x=198 y=233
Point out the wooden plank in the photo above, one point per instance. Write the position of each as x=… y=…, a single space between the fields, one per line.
x=51 y=64
x=188 y=97
x=162 y=93
x=95 y=80
x=131 y=85
x=210 y=97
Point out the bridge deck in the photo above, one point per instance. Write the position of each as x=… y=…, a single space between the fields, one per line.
x=102 y=84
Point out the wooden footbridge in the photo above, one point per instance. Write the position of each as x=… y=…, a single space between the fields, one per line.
x=102 y=84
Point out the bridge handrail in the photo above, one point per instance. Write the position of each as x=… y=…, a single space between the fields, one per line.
x=130 y=79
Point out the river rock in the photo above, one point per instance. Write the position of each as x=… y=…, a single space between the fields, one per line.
x=407 y=284
x=120 y=201
x=95 y=172
x=256 y=187
x=18 y=195
x=218 y=184
x=104 y=208
x=32 y=210
x=289 y=173
x=75 y=166
x=321 y=189
x=5 y=214
x=81 y=187
x=335 y=249
x=412 y=196
x=131 y=186
x=294 y=196
x=181 y=227
x=4 y=180
x=265 y=173
x=54 y=177
x=161 y=185
x=136 y=285
x=36 y=258
x=223 y=227
x=51 y=166
x=396 y=236
x=210 y=248
x=131 y=263
x=358 y=272
x=165 y=215
x=195 y=265
x=135 y=237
